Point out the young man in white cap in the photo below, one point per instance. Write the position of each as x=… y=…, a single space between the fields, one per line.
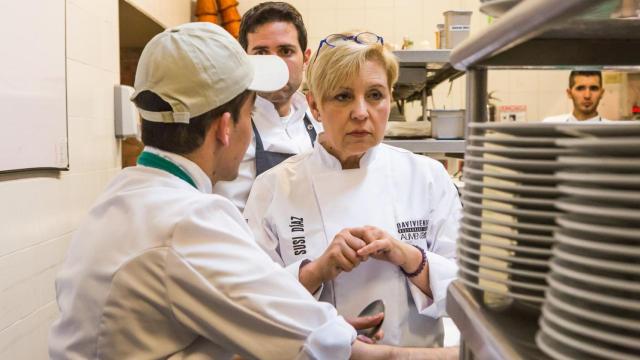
x=161 y=268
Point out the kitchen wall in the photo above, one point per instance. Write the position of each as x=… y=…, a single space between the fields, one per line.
x=40 y=210
x=542 y=91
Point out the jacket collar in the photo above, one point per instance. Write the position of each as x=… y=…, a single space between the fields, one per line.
x=202 y=181
x=323 y=160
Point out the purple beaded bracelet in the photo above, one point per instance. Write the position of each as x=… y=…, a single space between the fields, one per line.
x=420 y=268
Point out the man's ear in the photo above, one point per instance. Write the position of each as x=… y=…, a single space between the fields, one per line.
x=306 y=55
x=222 y=128
x=569 y=94
x=313 y=105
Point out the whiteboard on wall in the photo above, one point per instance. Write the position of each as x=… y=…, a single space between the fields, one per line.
x=33 y=105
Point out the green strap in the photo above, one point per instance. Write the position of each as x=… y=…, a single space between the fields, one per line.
x=152 y=160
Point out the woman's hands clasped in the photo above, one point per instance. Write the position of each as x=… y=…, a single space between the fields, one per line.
x=352 y=246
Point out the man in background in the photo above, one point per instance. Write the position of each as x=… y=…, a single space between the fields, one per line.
x=281 y=124
x=585 y=91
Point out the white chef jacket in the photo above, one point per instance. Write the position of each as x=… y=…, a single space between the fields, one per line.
x=565 y=118
x=160 y=269
x=288 y=136
x=296 y=209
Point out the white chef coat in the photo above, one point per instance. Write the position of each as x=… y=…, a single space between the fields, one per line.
x=565 y=118
x=295 y=210
x=160 y=269
x=285 y=135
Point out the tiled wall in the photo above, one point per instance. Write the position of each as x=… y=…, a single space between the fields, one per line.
x=39 y=211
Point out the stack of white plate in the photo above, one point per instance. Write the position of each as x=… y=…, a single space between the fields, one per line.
x=592 y=308
x=509 y=215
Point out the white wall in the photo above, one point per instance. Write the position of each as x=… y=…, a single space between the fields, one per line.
x=541 y=91
x=39 y=211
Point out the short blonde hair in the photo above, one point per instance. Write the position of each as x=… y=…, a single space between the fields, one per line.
x=335 y=66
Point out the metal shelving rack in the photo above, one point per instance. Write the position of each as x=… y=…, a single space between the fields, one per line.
x=420 y=72
x=533 y=34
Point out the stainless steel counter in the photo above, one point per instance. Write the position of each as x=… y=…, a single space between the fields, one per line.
x=505 y=333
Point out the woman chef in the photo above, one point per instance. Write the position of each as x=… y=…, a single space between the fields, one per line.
x=356 y=220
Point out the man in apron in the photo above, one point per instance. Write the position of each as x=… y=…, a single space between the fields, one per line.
x=585 y=91
x=282 y=125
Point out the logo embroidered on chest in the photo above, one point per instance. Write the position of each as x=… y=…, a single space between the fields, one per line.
x=298 y=241
x=413 y=229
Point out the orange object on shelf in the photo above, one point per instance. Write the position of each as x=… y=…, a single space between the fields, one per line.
x=230 y=16
x=207 y=11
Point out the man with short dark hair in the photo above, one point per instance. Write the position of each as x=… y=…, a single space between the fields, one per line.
x=585 y=91
x=161 y=268
x=282 y=126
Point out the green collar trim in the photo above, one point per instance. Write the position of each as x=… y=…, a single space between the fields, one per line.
x=152 y=160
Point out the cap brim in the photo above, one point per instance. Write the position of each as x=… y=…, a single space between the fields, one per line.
x=270 y=73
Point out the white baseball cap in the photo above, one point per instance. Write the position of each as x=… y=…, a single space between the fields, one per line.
x=197 y=67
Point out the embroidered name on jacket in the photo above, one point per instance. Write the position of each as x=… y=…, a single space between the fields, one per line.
x=413 y=229
x=298 y=241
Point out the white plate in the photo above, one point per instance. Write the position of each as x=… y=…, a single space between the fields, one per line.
x=533 y=166
x=628 y=180
x=569 y=322
x=605 y=281
x=583 y=241
x=555 y=350
x=532 y=129
x=603 y=145
x=518 y=200
x=569 y=304
x=521 y=153
x=600 y=162
x=536 y=239
x=550 y=215
x=580 y=206
x=618 y=128
x=515 y=189
x=500 y=245
x=534 y=299
x=515 y=140
x=581 y=292
x=506 y=269
x=605 y=228
x=515 y=224
x=586 y=348
x=593 y=261
x=543 y=264
x=596 y=193
x=514 y=176
x=511 y=283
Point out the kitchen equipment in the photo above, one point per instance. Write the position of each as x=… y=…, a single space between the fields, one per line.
x=447 y=124
x=374 y=308
x=441 y=37
x=456 y=27
x=592 y=307
x=496 y=8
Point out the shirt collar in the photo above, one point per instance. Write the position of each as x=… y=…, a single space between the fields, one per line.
x=266 y=110
x=593 y=119
x=192 y=169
